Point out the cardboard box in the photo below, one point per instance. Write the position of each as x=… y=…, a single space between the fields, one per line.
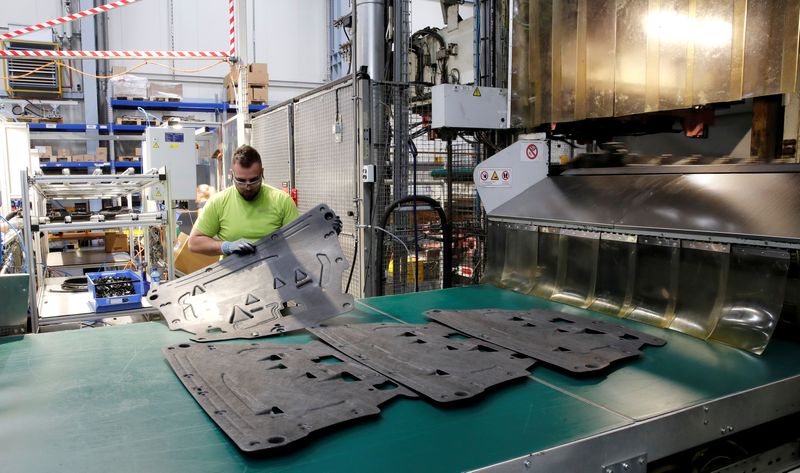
x=64 y=159
x=101 y=155
x=116 y=241
x=45 y=151
x=258 y=94
x=188 y=262
x=64 y=152
x=257 y=74
x=137 y=151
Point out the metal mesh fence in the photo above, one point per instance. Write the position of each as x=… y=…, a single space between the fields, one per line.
x=416 y=245
x=325 y=169
x=270 y=137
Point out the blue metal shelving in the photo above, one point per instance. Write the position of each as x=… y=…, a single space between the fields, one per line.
x=181 y=106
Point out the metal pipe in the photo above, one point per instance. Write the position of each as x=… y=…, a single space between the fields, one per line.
x=370 y=37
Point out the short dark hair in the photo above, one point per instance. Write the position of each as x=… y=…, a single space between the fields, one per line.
x=246 y=156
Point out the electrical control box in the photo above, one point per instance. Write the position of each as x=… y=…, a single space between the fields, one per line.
x=173 y=149
x=466 y=106
x=368 y=173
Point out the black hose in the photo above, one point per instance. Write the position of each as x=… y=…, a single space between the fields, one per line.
x=352 y=267
x=447 y=249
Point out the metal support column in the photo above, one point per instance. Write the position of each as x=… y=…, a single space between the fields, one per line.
x=29 y=242
x=242 y=112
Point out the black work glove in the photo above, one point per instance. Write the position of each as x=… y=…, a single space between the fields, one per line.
x=240 y=247
x=337 y=224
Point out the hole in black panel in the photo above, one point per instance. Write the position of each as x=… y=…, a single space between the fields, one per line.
x=628 y=336
x=409 y=334
x=561 y=330
x=420 y=341
x=275 y=440
x=349 y=378
x=456 y=336
x=561 y=349
x=516 y=319
x=184 y=345
x=461 y=393
x=310 y=375
x=559 y=320
x=529 y=325
x=274 y=357
x=276 y=410
x=279 y=366
x=484 y=349
x=441 y=373
x=154 y=297
x=450 y=348
x=386 y=386
x=327 y=359
x=519 y=356
x=593 y=332
x=329 y=216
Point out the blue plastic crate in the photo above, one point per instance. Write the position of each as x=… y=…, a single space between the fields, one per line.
x=105 y=304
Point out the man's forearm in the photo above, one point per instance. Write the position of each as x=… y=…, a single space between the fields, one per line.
x=204 y=245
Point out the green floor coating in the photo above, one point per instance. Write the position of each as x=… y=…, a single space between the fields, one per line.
x=105 y=400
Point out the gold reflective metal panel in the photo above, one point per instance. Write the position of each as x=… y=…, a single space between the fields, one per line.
x=576 y=59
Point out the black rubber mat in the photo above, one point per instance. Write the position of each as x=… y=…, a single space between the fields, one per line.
x=293 y=281
x=433 y=360
x=574 y=343
x=266 y=396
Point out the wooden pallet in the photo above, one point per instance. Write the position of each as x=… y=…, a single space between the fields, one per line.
x=165 y=99
x=124 y=97
x=30 y=119
x=136 y=121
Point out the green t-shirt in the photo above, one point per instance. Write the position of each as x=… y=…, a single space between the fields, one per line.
x=228 y=216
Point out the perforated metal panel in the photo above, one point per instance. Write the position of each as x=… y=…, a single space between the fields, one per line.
x=270 y=137
x=325 y=162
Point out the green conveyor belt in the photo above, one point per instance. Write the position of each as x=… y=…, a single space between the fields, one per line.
x=105 y=400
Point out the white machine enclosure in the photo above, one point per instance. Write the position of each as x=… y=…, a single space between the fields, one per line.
x=173 y=149
x=15 y=156
x=466 y=106
x=509 y=172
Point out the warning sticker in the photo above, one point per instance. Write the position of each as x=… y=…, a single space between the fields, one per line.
x=155 y=145
x=495 y=177
x=531 y=152
x=477 y=92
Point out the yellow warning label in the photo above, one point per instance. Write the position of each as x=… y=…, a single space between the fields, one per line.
x=494 y=176
x=155 y=145
x=174 y=145
x=158 y=193
x=477 y=92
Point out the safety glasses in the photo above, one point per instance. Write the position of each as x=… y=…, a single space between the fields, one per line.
x=246 y=182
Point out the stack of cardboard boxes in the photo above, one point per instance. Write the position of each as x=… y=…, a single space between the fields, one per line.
x=257 y=85
x=65 y=156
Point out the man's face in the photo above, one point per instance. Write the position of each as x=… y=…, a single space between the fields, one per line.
x=247 y=180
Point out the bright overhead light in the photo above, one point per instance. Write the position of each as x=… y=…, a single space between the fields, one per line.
x=674 y=28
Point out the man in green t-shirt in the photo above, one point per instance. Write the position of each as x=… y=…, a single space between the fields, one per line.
x=244 y=213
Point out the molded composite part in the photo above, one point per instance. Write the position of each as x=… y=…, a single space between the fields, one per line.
x=265 y=396
x=433 y=360
x=292 y=281
x=574 y=343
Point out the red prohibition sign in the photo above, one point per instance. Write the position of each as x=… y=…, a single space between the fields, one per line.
x=532 y=152
x=484 y=175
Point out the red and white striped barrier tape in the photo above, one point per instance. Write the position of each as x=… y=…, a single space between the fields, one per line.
x=67 y=19
x=5 y=53
x=232 y=27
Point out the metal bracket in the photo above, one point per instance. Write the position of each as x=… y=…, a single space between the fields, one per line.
x=637 y=464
